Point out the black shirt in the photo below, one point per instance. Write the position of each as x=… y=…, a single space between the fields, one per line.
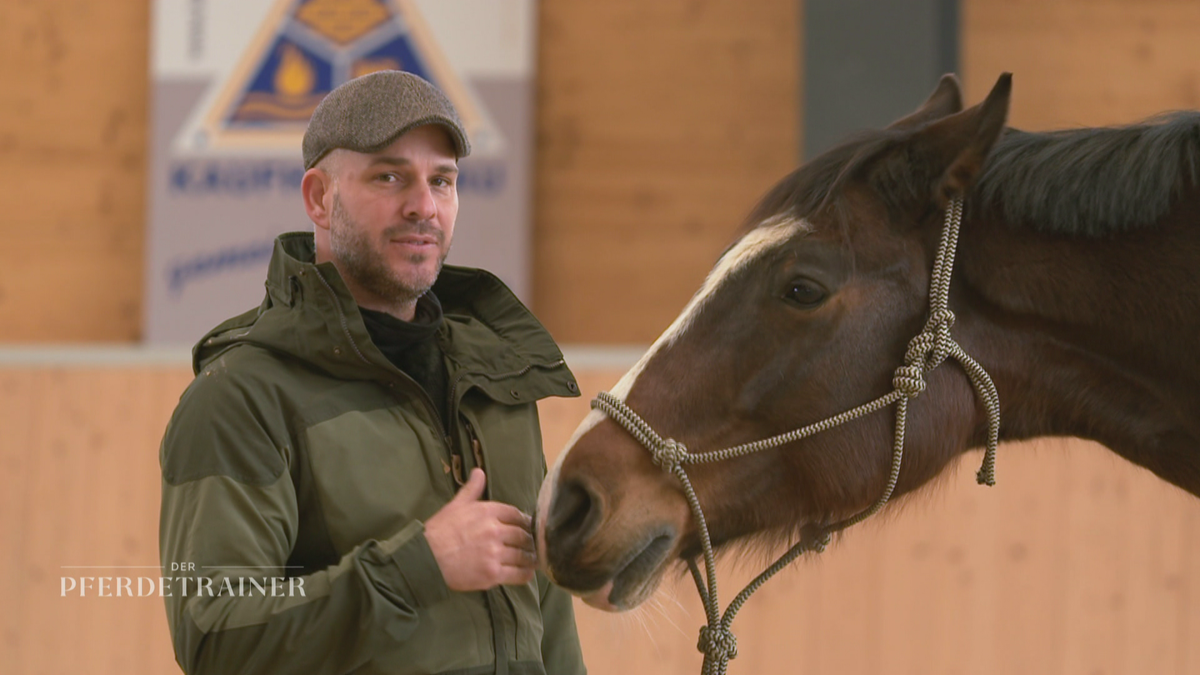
x=412 y=346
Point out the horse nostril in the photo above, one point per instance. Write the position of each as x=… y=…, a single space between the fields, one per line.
x=574 y=514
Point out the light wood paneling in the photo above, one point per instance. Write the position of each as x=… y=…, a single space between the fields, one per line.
x=1076 y=562
x=79 y=451
x=72 y=169
x=659 y=126
x=1084 y=62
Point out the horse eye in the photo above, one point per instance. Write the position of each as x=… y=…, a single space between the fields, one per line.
x=805 y=293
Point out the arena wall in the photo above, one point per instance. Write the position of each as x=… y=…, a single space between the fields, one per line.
x=658 y=127
x=1076 y=562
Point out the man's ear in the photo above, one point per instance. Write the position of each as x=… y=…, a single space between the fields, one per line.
x=317 y=190
x=945 y=100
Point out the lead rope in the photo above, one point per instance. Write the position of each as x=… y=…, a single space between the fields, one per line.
x=926 y=351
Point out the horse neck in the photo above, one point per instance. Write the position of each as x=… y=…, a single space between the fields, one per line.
x=1092 y=337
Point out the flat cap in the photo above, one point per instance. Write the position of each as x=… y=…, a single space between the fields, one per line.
x=368 y=113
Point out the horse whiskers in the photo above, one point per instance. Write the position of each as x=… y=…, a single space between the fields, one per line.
x=656 y=604
x=645 y=613
x=639 y=615
x=674 y=599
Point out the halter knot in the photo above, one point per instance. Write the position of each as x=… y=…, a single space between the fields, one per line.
x=909 y=380
x=816 y=538
x=933 y=344
x=670 y=454
x=938 y=327
x=718 y=643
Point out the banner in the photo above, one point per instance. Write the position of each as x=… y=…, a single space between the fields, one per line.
x=234 y=83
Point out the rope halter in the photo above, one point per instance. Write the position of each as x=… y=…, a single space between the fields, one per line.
x=670 y=454
x=719 y=642
x=932 y=346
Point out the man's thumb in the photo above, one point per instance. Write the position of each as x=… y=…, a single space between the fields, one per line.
x=472 y=490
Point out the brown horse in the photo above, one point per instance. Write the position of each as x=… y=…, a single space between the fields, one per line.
x=1075 y=288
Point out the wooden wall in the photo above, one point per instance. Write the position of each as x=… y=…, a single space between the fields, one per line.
x=1084 y=62
x=72 y=169
x=659 y=125
x=1075 y=563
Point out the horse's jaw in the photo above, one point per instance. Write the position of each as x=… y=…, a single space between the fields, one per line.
x=611 y=548
x=636 y=581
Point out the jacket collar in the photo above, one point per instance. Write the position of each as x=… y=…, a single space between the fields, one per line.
x=489 y=337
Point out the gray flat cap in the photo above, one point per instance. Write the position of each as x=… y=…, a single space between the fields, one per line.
x=368 y=113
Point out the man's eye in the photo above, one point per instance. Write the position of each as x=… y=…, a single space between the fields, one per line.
x=386 y=178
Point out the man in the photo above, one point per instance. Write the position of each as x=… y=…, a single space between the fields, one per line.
x=346 y=482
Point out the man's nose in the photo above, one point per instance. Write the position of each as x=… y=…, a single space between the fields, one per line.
x=420 y=204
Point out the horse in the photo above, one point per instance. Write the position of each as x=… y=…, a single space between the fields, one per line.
x=1075 y=289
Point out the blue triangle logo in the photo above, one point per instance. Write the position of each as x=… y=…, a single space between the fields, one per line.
x=303 y=51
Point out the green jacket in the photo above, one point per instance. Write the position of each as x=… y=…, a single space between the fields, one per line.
x=300 y=451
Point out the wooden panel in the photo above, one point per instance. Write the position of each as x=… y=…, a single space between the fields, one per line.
x=1084 y=62
x=72 y=158
x=81 y=488
x=659 y=126
x=1075 y=563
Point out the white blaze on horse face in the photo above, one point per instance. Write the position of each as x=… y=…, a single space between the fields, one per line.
x=771 y=234
x=768 y=236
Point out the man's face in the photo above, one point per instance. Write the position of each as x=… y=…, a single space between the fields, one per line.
x=393 y=213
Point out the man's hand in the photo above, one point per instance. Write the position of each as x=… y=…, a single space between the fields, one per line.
x=480 y=544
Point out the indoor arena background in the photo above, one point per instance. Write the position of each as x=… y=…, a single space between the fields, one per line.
x=658 y=125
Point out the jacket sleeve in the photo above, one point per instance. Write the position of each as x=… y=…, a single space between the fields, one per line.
x=561 y=652
x=227 y=527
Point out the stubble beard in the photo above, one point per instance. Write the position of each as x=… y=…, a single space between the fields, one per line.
x=364 y=262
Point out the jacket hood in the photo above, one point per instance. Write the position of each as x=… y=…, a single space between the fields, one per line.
x=308 y=314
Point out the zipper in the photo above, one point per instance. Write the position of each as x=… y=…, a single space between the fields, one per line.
x=452 y=442
x=454 y=449
x=473 y=438
x=455 y=468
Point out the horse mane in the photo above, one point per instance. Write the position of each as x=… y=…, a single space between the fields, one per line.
x=1087 y=182
x=815 y=182
x=1091 y=182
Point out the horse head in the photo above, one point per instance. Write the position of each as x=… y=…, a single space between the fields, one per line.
x=806 y=315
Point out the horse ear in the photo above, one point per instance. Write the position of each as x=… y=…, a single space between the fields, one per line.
x=945 y=100
x=956 y=146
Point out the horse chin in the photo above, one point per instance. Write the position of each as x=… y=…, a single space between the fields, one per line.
x=639 y=576
x=608 y=599
x=601 y=599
